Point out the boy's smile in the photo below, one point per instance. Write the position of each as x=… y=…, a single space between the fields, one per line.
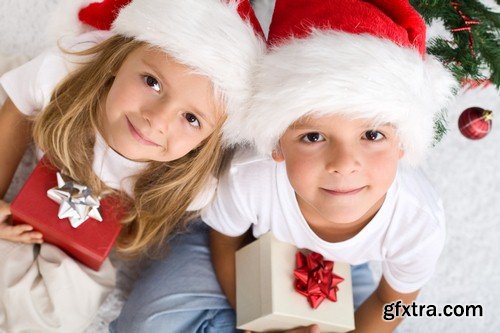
x=340 y=168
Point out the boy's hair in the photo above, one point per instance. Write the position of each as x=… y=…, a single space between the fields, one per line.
x=66 y=131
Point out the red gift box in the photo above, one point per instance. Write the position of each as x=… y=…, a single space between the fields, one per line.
x=90 y=243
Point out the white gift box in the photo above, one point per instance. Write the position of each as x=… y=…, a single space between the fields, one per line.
x=266 y=299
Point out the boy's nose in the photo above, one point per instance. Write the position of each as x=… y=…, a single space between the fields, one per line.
x=342 y=160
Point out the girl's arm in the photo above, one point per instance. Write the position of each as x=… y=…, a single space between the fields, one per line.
x=15 y=136
x=369 y=316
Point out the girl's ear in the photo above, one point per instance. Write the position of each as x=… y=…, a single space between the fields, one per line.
x=277 y=154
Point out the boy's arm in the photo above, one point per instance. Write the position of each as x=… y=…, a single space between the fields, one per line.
x=223 y=249
x=223 y=252
x=15 y=136
x=369 y=316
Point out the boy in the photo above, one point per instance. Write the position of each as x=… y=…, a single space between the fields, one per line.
x=345 y=102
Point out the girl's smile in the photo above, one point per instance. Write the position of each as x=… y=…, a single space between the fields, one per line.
x=139 y=136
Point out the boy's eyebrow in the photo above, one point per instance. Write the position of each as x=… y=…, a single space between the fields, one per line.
x=163 y=79
x=302 y=125
x=375 y=126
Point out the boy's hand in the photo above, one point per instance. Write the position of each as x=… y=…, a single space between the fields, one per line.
x=22 y=233
x=302 y=329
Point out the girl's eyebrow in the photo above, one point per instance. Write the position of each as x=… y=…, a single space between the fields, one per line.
x=202 y=115
x=156 y=71
x=196 y=111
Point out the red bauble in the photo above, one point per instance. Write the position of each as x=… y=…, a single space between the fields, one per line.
x=475 y=123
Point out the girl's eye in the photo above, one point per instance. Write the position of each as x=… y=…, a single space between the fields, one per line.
x=192 y=120
x=373 y=136
x=152 y=82
x=313 y=137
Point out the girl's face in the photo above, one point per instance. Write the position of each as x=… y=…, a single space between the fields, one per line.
x=340 y=168
x=157 y=109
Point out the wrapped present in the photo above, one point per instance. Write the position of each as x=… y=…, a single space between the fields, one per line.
x=279 y=288
x=68 y=215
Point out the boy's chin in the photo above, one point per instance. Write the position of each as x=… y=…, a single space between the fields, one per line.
x=347 y=218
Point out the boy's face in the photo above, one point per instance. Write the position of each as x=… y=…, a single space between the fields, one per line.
x=340 y=168
x=157 y=109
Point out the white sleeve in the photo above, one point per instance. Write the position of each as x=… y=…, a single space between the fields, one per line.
x=205 y=196
x=229 y=212
x=31 y=85
x=410 y=270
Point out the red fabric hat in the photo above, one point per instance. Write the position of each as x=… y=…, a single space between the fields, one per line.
x=395 y=20
x=364 y=59
x=101 y=15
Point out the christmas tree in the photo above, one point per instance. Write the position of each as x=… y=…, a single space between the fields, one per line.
x=474 y=52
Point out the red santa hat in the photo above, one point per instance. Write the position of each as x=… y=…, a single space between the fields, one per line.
x=220 y=39
x=362 y=59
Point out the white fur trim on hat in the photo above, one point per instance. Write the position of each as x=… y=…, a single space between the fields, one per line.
x=362 y=76
x=209 y=36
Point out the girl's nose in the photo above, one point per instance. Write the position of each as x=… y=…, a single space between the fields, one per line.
x=159 y=116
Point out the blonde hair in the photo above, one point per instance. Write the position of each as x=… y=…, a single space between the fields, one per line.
x=66 y=129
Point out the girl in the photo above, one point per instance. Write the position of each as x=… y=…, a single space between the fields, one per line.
x=139 y=115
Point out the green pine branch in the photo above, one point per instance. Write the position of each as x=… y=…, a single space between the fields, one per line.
x=456 y=53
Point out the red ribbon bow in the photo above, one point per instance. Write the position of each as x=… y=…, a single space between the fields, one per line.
x=314 y=278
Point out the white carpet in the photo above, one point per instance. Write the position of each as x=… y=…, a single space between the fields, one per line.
x=465 y=172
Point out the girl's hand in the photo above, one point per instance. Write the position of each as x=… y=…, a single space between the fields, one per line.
x=22 y=233
x=302 y=329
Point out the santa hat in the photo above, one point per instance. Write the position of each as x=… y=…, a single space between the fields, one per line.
x=220 y=39
x=361 y=59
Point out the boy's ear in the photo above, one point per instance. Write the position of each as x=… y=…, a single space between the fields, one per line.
x=401 y=151
x=277 y=154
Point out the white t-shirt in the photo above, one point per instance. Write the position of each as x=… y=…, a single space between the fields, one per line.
x=30 y=88
x=407 y=234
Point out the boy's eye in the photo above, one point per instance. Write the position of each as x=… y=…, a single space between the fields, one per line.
x=192 y=120
x=373 y=136
x=313 y=137
x=152 y=82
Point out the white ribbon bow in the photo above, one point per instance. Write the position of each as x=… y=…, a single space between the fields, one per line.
x=76 y=201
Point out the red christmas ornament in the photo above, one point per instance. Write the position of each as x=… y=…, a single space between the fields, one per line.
x=475 y=123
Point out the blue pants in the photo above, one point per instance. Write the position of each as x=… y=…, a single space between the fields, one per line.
x=180 y=293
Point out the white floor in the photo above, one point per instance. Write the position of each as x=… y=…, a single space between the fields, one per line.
x=466 y=173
